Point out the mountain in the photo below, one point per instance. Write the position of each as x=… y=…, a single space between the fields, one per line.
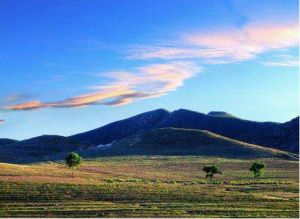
x=121 y=129
x=42 y=148
x=5 y=141
x=220 y=114
x=161 y=132
x=282 y=136
x=173 y=141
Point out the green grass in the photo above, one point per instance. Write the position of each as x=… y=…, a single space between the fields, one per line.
x=154 y=186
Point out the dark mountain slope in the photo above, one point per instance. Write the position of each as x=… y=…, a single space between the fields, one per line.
x=267 y=134
x=284 y=136
x=42 y=148
x=221 y=114
x=173 y=141
x=123 y=128
x=5 y=141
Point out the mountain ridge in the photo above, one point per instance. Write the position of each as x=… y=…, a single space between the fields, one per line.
x=236 y=128
x=40 y=148
x=280 y=136
x=123 y=128
x=176 y=141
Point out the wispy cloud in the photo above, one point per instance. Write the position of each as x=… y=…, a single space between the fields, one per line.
x=82 y=100
x=126 y=86
x=224 y=45
x=17 y=97
x=284 y=61
x=218 y=46
x=1 y=121
x=25 y=106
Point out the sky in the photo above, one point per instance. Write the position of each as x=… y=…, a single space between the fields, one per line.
x=71 y=66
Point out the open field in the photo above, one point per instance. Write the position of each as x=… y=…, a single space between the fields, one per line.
x=149 y=186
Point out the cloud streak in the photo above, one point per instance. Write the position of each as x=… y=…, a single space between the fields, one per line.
x=16 y=97
x=286 y=61
x=224 y=45
x=125 y=87
x=1 y=121
x=216 y=46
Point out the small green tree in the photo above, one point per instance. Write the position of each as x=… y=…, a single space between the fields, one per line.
x=73 y=160
x=258 y=169
x=211 y=171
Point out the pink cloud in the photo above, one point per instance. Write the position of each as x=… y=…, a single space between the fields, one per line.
x=26 y=106
x=126 y=86
x=81 y=100
x=224 y=45
x=246 y=43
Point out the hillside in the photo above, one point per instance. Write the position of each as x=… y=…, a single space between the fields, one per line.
x=121 y=129
x=282 y=136
x=221 y=114
x=173 y=141
x=6 y=141
x=42 y=148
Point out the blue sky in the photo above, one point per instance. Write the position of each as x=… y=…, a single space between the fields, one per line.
x=70 y=66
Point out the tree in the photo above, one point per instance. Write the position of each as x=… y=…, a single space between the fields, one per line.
x=73 y=160
x=258 y=169
x=211 y=171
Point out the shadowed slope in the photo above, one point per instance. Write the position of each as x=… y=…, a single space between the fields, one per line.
x=6 y=141
x=173 y=141
x=282 y=136
x=123 y=128
x=42 y=148
x=221 y=114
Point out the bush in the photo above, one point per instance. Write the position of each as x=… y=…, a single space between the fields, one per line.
x=73 y=160
x=258 y=169
x=211 y=171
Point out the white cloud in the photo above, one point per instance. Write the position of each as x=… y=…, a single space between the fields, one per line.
x=284 y=61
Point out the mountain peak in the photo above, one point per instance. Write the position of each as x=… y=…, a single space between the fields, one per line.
x=186 y=111
x=122 y=128
x=221 y=114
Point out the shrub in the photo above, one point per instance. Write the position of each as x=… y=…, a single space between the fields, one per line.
x=258 y=169
x=73 y=160
x=211 y=171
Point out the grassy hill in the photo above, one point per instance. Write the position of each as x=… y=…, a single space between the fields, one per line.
x=41 y=148
x=282 y=136
x=174 y=141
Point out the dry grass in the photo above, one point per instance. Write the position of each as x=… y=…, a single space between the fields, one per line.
x=150 y=186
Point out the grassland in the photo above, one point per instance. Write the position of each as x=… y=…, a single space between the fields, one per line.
x=149 y=186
